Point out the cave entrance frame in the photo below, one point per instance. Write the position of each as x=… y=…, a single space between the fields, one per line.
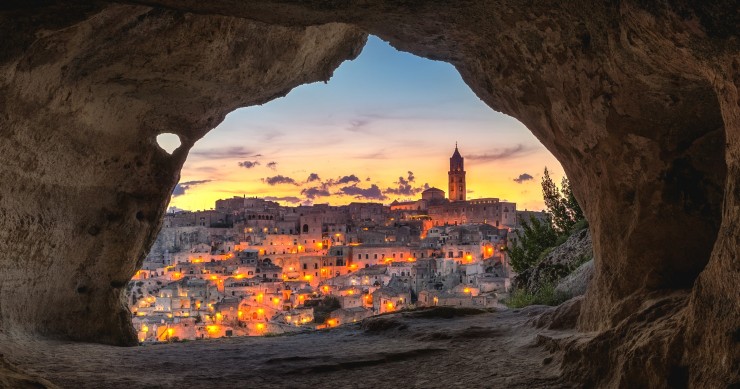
x=639 y=105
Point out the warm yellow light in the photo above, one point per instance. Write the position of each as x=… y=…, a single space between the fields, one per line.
x=239 y=313
x=319 y=245
x=260 y=311
x=140 y=313
x=276 y=300
x=307 y=277
x=260 y=326
x=170 y=331
x=326 y=288
x=239 y=276
x=144 y=328
x=219 y=316
x=197 y=305
x=469 y=257
x=350 y=292
x=466 y=290
x=390 y=306
x=410 y=259
x=178 y=274
x=332 y=322
x=212 y=328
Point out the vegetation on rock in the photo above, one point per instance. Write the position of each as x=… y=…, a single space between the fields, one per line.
x=534 y=258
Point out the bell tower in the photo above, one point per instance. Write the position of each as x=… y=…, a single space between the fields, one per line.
x=457 y=176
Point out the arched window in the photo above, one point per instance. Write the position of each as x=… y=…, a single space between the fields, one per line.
x=305 y=228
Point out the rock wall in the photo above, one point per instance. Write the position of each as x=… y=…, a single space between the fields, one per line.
x=558 y=263
x=638 y=100
x=85 y=184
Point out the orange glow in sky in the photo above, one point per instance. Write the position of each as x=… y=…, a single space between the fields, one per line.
x=382 y=129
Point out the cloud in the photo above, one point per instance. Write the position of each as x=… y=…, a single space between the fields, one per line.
x=223 y=153
x=371 y=193
x=405 y=187
x=287 y=199
x=376 y=155
x=182 y=187
x=279 y=179
x=347 y=180
x=523 y=177
x=272 y=165
x=313 y=193
x=313 y=177
x=271 y=134
x=499 y=154
x=248 y=164
x=357 y=125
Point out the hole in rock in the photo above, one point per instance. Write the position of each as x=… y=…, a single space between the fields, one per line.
x=365 y=195
x=168 y=142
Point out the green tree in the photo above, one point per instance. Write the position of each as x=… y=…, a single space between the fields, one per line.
x=536 y=237
x=561 y=204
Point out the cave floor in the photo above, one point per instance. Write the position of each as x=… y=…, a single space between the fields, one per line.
x=490 y=350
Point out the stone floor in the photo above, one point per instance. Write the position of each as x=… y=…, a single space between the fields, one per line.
x=421 y=349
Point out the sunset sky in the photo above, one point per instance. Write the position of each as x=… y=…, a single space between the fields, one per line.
x=381 y=129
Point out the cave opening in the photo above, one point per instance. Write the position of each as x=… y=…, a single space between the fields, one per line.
x=379 y=132
x=638 y=103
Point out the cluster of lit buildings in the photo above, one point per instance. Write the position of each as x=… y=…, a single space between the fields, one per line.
x=252 y=267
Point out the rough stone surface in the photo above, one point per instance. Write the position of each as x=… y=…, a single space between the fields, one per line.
x=576 y=283
x=494 y=350
x=638 y=100
x=559 y=263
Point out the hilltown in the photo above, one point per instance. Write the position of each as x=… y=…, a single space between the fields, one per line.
x=252 y=267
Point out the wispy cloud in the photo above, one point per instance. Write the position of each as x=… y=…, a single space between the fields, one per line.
x=375 y=155
x=248 y=164
x=405 y=187
x=501 y=154
x=182 y=187
x=371 y=193
x=279 y=179
x=272 y=165
x=523 y=177
x=287 y=199
x=223 y=153
x=313 y=193
x=347 y=179
x=313 y=177
x=271 y=135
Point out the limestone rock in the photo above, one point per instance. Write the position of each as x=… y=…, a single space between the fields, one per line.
x=559 y=263
x=576 y=283
x=638 y=100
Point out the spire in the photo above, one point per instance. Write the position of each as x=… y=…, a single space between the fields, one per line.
x=456 y=155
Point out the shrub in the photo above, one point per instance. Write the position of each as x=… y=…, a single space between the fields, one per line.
x=544 y=295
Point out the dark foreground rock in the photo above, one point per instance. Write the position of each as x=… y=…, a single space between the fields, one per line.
x=483 y=349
